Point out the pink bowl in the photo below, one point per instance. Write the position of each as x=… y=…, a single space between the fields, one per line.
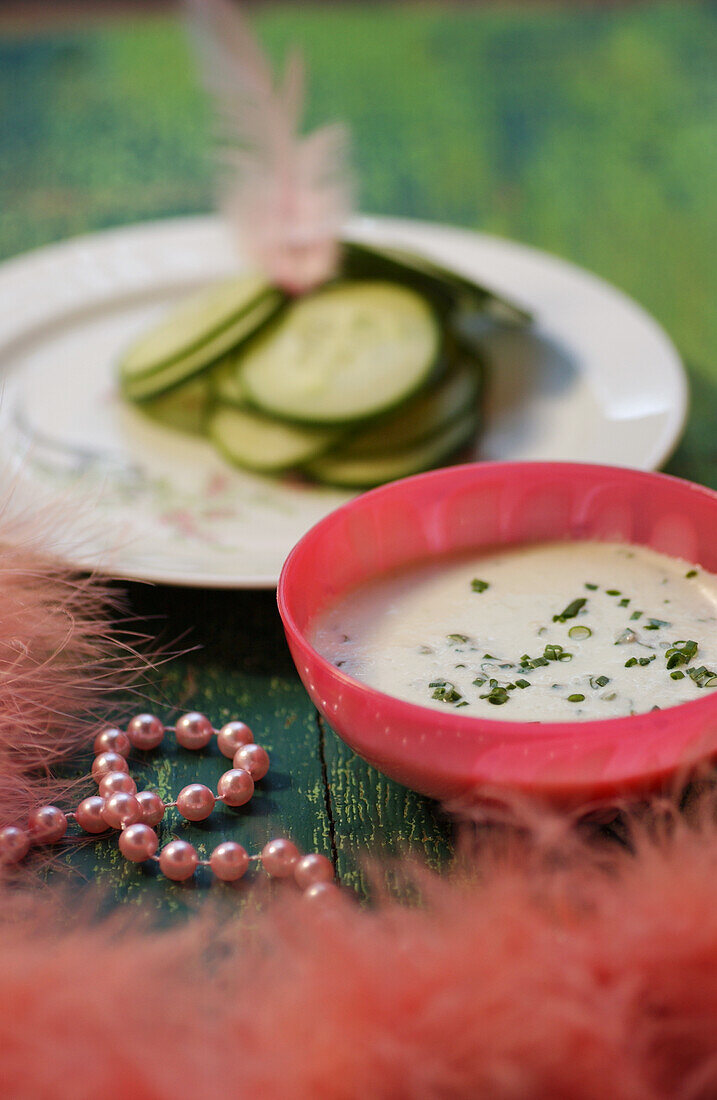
x=490 y=505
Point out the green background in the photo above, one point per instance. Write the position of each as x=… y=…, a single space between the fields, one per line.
x=589 y=132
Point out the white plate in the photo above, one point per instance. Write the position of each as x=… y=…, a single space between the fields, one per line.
x=596 y=380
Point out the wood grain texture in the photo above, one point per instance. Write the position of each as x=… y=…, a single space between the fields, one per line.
x=586 y=132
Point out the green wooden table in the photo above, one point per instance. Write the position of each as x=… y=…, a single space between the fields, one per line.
x=590 y=133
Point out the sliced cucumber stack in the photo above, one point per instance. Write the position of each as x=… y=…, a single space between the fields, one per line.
x=362 y=381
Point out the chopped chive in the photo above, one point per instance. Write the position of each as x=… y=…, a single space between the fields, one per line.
x=488 y=657
x=478 y=585
x=577 y=698
x=571 y=610
x=677 y=675
x=445 y=692
x=624 y=602
x=635 y=615
x=579 y=632
x=533 y=662
x=479 y=681
x=599 y=681
x=702 y=676
x=522 y=683
x=457 y=639
x=680 y=653
x=631 y=662
x=497 y=695
x=690 y=573
x=592 y=587
x=655 y=624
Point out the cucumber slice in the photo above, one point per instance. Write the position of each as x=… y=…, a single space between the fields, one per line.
x=184 y=408
x=225 y=381
x=421 y=417
x=192 y=323
x=449 y=288
x=343 y=354
x=363 y=472
x=142 y=387
x=268 y=446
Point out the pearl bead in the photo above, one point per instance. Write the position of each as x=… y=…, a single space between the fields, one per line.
x=178 y=860
x=108 y=762
x=235 y=787
x=121 y=810
x=229 y=861
x=112 y=740
x=138 y=842
x=321 y=891
x=313 y=868
x=232 y=736
x=46 y=825
x=113 y=782
x=14 y=844
x=193 y=731
x=195 y=802
x=151 y=807
x=145 y=731
x=254 y=759
x=278 y=857
x=88 y=814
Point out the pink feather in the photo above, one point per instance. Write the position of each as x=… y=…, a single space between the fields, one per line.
x=61 y=657
x=532 y=972
x=286 y=195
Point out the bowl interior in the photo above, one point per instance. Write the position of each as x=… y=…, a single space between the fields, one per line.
x=479 y=507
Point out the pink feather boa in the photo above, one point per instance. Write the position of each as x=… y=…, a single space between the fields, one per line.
x=560 y=971
x=61 y=657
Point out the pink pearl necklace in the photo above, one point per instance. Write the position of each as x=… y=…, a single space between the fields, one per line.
x=135 y=814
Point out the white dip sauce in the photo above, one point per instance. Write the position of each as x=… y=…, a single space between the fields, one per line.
x=554 y=632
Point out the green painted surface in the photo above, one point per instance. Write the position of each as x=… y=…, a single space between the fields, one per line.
x=587 y=132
